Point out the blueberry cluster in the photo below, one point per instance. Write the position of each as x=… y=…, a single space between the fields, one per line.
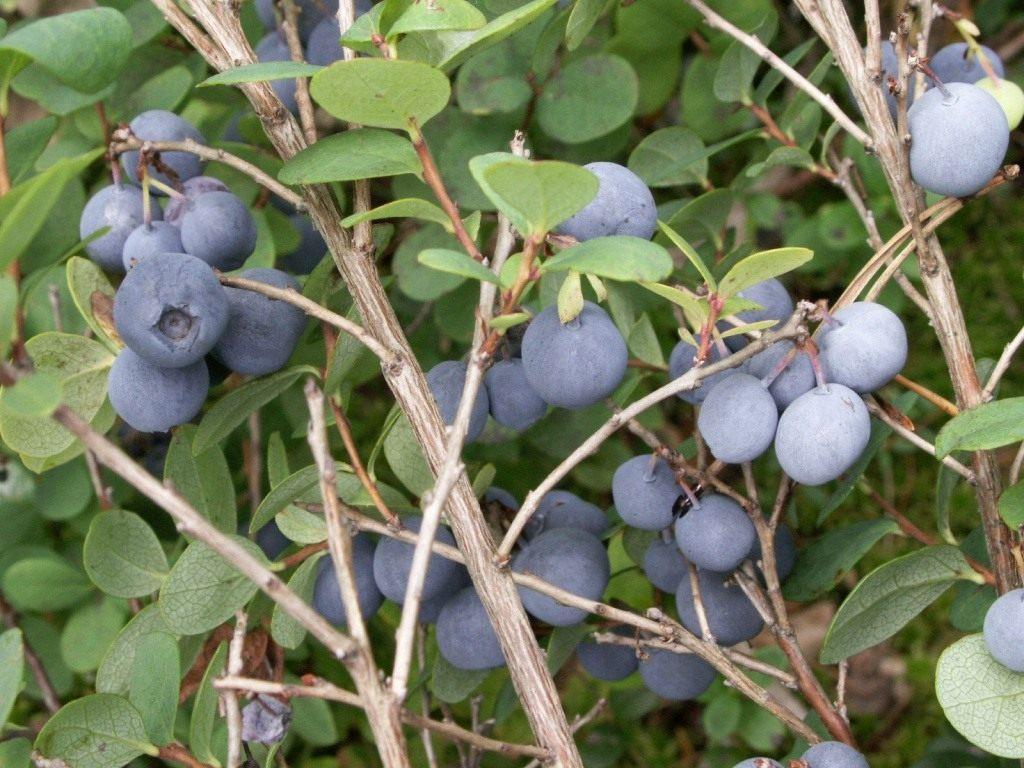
x=810 y=408
x=170 y=310
x=960 y=127
x=827 y=754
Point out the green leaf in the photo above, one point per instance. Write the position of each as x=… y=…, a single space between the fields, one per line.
x=690 y=253
x=982 y=699
x=991 y=425
x=562 y=644
x=890 y=596
x=44 y=584
x=88 y=634
x=8 y=311
x=504 y=322
x=364 y=153
x=619 y=257
x=795 y=157
x=263 y=71
x=406 y=458
x=85 y=278
x=820 y=565
x=734 y=77
x=459 y=46
x=153 y=691
x=123 y=556
x=493 y=82
x=1011 y=506
x=81 y=364
x=301 y=526
x=659 y=159
x=690 y=303
x=643 y=341
x=456 y=263
x=536 y=195
x=582 y=18
x=202 y=477
x=114 y=674
x=588 y=98
x=36 y=396
x=12 y=670
x=203 y=590
x=283 y=494
x=285 y=630
x=26 y=208
x=445 y=15
x=204 y=709
x=761 y=266
x=570 y=298
x=235 y=407
x=722 y=716
x=452 y=685
x=98 y=731
x=382 y=93
x=409 y=207
x=85 y=50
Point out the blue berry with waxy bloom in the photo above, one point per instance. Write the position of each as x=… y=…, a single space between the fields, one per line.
x=608 y=661
x=715 y=533
x=732 y=618
x=676 y=676
x=514 y=403
x=151 y=398
x=664 y=565
x=190 y=190
x=957 y=63
x=219 y=229
x=576 y=364
x=170 y=309
x=1004 y=630
x=623 y=206
x=564 y=509
x=465 y=636
x=446 y=381
x=738 y=418
x=681 y=360
x=161 y=125
x=118 y=209
x=645 y=490
x=834 y=754
x=392 y=563
x=262 y=333
x=327 y=595
x=147 y=239
x=568 y=558
x=863 y=346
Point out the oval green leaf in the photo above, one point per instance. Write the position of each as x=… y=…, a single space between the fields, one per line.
x=589 y=98
x=123 y=556
x=365 y=153
x=991 y=425
x=98 y=731
x=619 y=257
x=456 y=263
x=263 y=71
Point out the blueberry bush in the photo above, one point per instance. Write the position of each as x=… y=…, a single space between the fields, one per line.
x=558 y=382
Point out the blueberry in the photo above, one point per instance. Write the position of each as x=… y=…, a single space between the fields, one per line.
x=954 y=63
x=465 y=636
x=171 y=309
x=446 y=381
x=576 y=364
x=644 y=491
x=272 y=541
x=311 y=248
x=776 y=304
x=676 y=676
x=958 y=141
x=1004 y=630
x=664 y=565
x=732 y=618
x=154 y=399
x=161 y=125
x=568 y=558
x=863 y=346
x=147 y=239
x=738 y=419
x=681 y=361
x=794 y=380
x=326 y=594
x=430 y=610
x=758 y=762
x=822 y=434
x=190 y=190
x=262 y=333
x=393 y=560
x=310 y=13
x=715 y=534
x=119 y=208
x=834 y=754
x=606 y=661
x=324 y=47
x=273 y=47
x=265 y=719
x=891 y=67
x=785 y=551
x=496 y=495
x=513 y=402
x=623 y=206
x=562 y=509
x=218 y=228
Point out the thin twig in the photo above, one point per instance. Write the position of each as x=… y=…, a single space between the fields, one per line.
x=49 y=694
x=932 y=397
x=879 y=413
x=345 y=430
x=290 y=27
x=1002 y=365
x=230 y=697
x=321 y=689
x=217 y=155
x=750 y=41
x=578 y=722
